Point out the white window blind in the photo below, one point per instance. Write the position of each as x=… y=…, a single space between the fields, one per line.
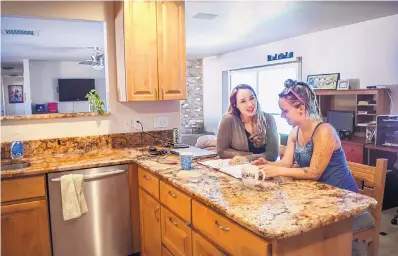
x=268 y=82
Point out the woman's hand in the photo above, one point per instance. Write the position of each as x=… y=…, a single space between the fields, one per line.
x=260 y=161
x=271 y=171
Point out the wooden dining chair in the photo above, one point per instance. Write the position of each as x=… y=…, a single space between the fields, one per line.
x=372 y=182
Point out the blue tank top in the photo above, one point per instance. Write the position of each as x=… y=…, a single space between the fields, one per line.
x=336 y=173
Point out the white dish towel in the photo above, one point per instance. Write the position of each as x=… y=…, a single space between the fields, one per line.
x=73 y=201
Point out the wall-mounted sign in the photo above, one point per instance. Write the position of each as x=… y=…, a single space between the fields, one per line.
x=280 y=56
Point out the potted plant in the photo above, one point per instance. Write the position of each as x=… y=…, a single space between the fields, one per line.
x=94 y=102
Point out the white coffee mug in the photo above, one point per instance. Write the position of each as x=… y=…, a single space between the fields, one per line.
x=250 y=175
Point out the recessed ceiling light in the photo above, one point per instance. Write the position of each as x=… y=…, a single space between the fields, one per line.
x=204 y=16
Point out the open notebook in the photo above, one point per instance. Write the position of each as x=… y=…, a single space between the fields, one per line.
x=197 y=152
x=223 y=166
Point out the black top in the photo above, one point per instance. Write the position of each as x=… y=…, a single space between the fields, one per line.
x=252 y=148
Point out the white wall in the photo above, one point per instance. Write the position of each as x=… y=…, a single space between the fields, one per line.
x=367 y=51
x=12 y=109
x=26 y=87
x=44 y=77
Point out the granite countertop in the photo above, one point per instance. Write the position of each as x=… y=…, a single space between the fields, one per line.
x=72 y=161
x=52 y=116
x=273 y=210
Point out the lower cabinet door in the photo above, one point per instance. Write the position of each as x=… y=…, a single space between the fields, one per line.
x=202 y=247
x=25 y=229
x=176 y=234
x=166 y=252
x=151 y=244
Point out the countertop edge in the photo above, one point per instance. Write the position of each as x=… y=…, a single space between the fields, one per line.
x=212 y=205
x=44 y=116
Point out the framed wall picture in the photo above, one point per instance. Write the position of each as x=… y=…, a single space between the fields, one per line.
x=324 y=81
x=343 y=85
x=15 y=94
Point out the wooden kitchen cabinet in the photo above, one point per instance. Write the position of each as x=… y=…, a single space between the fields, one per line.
x=23 y=189
x=150 y=50
x=180 y=220
x=230 y=236
x=166 y=252
x=175 y=200
x=171 y=49
x=202 y=247
x=148 y=182
x=25 y=229
x=151 y=244
x=176 y=234
x=24 y=217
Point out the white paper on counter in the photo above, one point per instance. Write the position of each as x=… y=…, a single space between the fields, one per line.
x=233 y=170
x=218 y=163
x=223 y=166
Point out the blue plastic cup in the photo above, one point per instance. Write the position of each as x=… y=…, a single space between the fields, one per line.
x=186 y=160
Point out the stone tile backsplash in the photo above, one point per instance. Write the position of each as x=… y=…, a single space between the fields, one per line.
x=88 y=143
x=192 y=107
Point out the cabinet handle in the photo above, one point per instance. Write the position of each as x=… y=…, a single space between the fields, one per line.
x=173 y=222
x=156 y=93
x=156 y=211
x=172 y=195
x=146 y=177
x=221 y=227
x=162 y=92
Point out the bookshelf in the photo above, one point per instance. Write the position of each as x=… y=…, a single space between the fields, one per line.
x=378 y=103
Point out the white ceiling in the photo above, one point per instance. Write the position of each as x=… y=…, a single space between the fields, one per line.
x=243 y=24
x=66 y=40
x=239 y=24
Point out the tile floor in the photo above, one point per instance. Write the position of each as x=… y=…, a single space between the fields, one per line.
x=388 y=245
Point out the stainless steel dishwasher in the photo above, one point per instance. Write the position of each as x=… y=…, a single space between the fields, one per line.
x=105 y=230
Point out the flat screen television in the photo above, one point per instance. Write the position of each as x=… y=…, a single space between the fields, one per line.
x=341 y=120
x=74 y=89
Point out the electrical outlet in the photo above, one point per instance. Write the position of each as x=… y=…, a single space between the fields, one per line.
x=161 y=122
x=128 y=126
x=137 y=125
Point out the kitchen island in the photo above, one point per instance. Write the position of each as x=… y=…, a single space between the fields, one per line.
x=206 y=212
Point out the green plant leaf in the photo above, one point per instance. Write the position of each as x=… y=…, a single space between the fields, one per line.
x=95 y=101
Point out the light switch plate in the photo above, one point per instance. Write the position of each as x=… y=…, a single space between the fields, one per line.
x=161 y=122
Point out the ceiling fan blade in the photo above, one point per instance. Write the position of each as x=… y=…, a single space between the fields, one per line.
x=86 y=62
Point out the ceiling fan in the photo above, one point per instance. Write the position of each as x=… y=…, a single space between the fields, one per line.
x=96 y=60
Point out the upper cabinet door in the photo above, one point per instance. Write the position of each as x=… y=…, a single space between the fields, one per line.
x=140 y=50
x=171 y=50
